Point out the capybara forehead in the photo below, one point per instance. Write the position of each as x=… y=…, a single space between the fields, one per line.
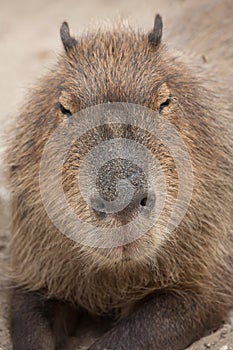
x=111 y=67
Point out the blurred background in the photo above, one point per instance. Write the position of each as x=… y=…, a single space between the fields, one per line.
x=30 y=42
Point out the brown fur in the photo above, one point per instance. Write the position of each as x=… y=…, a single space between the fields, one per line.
x=121 y=65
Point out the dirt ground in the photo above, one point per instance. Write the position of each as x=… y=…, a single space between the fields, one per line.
x=29 y=41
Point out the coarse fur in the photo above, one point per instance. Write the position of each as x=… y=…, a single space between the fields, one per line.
x=123 y=66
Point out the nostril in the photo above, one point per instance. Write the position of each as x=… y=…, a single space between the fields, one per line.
x=98 y=206
x=143 y=202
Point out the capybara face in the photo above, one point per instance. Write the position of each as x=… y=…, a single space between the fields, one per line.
x=140 y=74
x=94 y=76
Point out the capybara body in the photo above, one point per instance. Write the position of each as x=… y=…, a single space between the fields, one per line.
x=165 y=290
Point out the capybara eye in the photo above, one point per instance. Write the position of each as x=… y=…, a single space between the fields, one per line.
x=64 y=110
x=164 y=104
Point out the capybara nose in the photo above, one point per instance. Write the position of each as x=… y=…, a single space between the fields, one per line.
x=123 y=207
x=121 y=190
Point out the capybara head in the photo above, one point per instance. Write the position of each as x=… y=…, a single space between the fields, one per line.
x=130 y=134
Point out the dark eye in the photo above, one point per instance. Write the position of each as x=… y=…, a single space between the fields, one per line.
x=165 y=104
x=65 y=111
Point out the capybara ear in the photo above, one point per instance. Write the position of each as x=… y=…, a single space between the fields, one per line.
x=68 y=41
x=155 y=36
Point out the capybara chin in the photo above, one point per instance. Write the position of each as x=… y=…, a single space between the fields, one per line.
x=165 y=290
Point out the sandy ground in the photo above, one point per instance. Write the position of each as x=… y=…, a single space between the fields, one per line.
x=29 y=41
